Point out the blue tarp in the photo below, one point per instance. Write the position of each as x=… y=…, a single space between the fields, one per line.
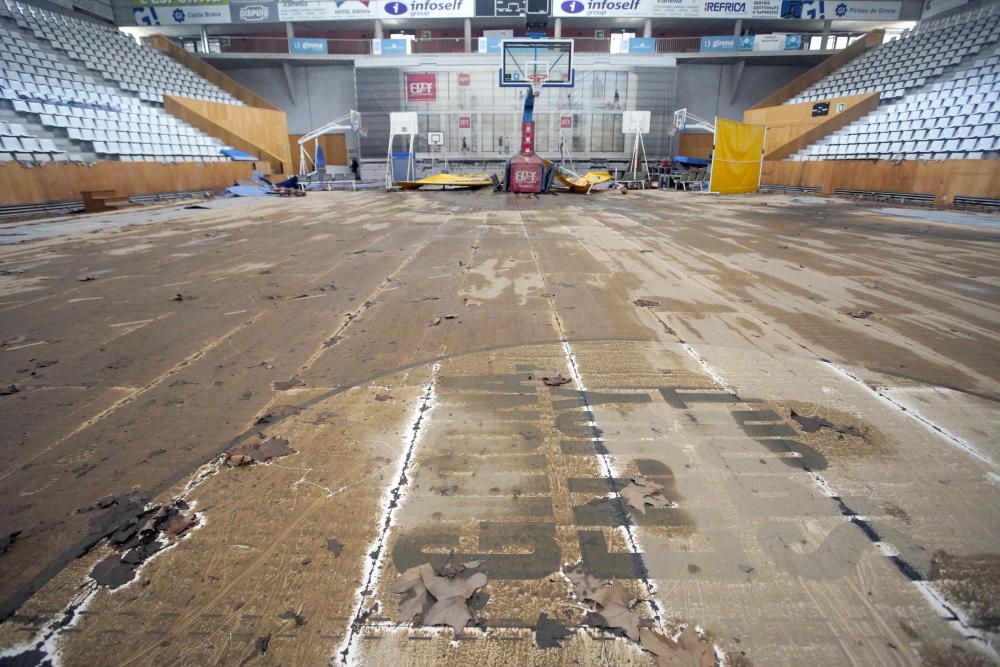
x=238 y=156
x=691 y=161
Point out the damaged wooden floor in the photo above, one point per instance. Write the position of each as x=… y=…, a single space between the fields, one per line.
x=814 y=383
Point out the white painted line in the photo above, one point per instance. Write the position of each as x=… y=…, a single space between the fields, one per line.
x=714 y=374
x=956 y=619
x=21 y=347
x=235 y=312
x=948 y=437
x=86 y=298
x=392 y=500
x=949 y=613
x=129 y=324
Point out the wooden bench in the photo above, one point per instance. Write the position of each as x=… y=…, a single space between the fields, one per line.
x=98 y=201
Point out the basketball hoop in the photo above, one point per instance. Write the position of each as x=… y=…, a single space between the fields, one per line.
x=537 y=81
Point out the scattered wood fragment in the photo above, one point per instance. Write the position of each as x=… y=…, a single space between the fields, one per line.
x=641 y=492
x=438 y=599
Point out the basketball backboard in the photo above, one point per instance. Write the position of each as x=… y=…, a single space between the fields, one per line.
x=635 y=122
x=527 y=59
x=435 y=138
x=403 y=122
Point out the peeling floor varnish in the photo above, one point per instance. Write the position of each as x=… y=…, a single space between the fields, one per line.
x=398 y=342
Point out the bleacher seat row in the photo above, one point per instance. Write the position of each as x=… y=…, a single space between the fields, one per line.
x=938 y=100
x=92 y=93
x=116 y=56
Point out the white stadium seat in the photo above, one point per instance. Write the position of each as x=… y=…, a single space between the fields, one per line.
x=93 y=104
x=937 y=100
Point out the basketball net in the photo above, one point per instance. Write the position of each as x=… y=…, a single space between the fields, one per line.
x=538 y=77
x=537 y=81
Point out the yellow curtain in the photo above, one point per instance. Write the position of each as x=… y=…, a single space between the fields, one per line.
x=736 y=160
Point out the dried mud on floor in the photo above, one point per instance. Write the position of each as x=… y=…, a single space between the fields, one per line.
x=643 y=429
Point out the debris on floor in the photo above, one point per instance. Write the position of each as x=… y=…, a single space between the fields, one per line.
x=689 y=650
x=859 y=314
x=438 y=599
x=613 y=608
x=334 y=547
x=258 y=452
x=7 y=541
x=285 y=385
x=139 y=537
x=555 y=380
x=641 y=492
x=646 y=303
x=437 y=320
x=276 y=412
x=259 y=648
x=813 y=424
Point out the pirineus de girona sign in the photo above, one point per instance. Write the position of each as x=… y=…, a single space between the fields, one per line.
x=763 y=9
x=421 y=86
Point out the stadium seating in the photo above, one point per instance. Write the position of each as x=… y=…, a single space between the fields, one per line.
x=58 y=110
x=940 y=95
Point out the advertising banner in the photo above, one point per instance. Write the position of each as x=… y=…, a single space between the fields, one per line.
x=465 y=122
x=490 y=44
x=326 y=10
x=253 y=11
x=421 y=86
x=774 y=42
x=390 y=47
x=464 y=79
x=179 y=12
x=845 y=10
x=566 y=122
x=425 y=9
x=721 y=43
x=640 y=45
x=307 y=46
x=731 y=9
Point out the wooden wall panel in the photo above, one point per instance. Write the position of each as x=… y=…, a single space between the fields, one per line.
x=803 y=81
x=944 y=179
x=203 y=69
x=334 y=147
x=696 y=144
x=260 y=132
x=791 y=127
x=64 y=182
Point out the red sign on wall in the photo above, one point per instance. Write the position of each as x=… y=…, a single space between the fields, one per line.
x=464 y=79
x=421 y=86
x=527 y=138
x=465 y=122
x=566 y=122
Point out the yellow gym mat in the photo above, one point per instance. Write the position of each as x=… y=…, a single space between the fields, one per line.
x=450 y=180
